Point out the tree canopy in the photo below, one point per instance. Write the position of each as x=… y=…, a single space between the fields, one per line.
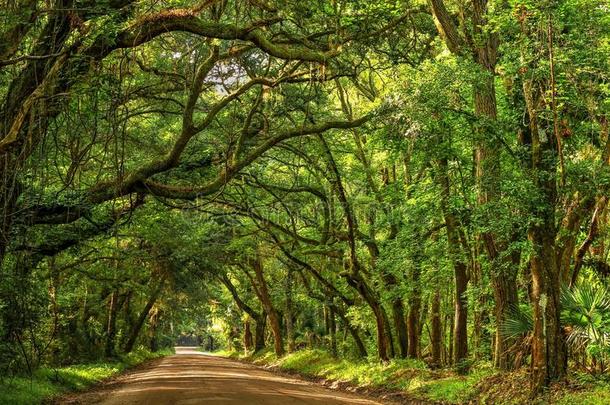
x=384 y=180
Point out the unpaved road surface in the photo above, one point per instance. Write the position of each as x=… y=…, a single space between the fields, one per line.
x=191 y=377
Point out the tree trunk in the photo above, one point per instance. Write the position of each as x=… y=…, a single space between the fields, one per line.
x=398 y=313
x=248 y=343
x=111 y=323
x=288 y=313
x=487 y=150
x=549 y=351
x=259 y=319
x=503 y=272
x=352 y=273
x=383 y=335
x=50 y=41
x=414 y=312
x=262 y=291
x=460 y=334
x=436 y=333
x=154 y=324
x=259 y=334
x=9 y=191
x=333 y=331
x=357 y=340
x=137 y=327
x=505 y=298
x=460 y=329
x=290 y=332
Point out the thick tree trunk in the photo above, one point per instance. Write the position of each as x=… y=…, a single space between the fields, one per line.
x=436 y=331
x=413 y=327
x=248 y=340
x=259 y=334
x=388 y=330
x=460 y=334
x=154 y=325
x=505 y=299
x=50 y=41
x=276 y=330
x=449 y=324
x=549 y=351
x=333 y=331
x=503 y=272
x=398 y=314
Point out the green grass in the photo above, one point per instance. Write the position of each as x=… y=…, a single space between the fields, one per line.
x=47 y=383
x=395 y=374
x=593 y=392
x=483 y=384
x=599 y=396
x=410 y=376
x=453 y=388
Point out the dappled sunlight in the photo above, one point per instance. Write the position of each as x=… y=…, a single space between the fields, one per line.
x=192 y=377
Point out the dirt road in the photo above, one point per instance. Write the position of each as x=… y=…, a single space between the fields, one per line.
x=191 y=377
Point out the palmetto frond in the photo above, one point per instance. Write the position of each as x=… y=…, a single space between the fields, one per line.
x=519 y=322
x=586 y=309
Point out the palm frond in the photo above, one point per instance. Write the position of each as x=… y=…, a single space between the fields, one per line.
x=586 y=309
x=519 y=322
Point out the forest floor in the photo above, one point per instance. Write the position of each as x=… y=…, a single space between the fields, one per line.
x=190 y=377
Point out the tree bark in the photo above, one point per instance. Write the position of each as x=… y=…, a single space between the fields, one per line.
x=259 y=334
x=398 y=313
x=414 y=312
x=137 y=327
x=549 y=351
x=436 y=332
x=109 y=350
x=259 y=319
x=333 y=331
x=288 y=313
x=248 y=340
x=383 y=337
x=262 y=291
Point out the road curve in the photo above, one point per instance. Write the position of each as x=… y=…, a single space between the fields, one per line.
x=191 y=377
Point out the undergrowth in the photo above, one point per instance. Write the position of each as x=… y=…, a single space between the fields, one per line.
x=46 y=383
x=412 y=377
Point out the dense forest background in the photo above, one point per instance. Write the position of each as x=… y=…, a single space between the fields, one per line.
x=377 y=179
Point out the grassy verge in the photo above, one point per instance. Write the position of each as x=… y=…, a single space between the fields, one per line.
x=411 y=377
x=47 y=383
